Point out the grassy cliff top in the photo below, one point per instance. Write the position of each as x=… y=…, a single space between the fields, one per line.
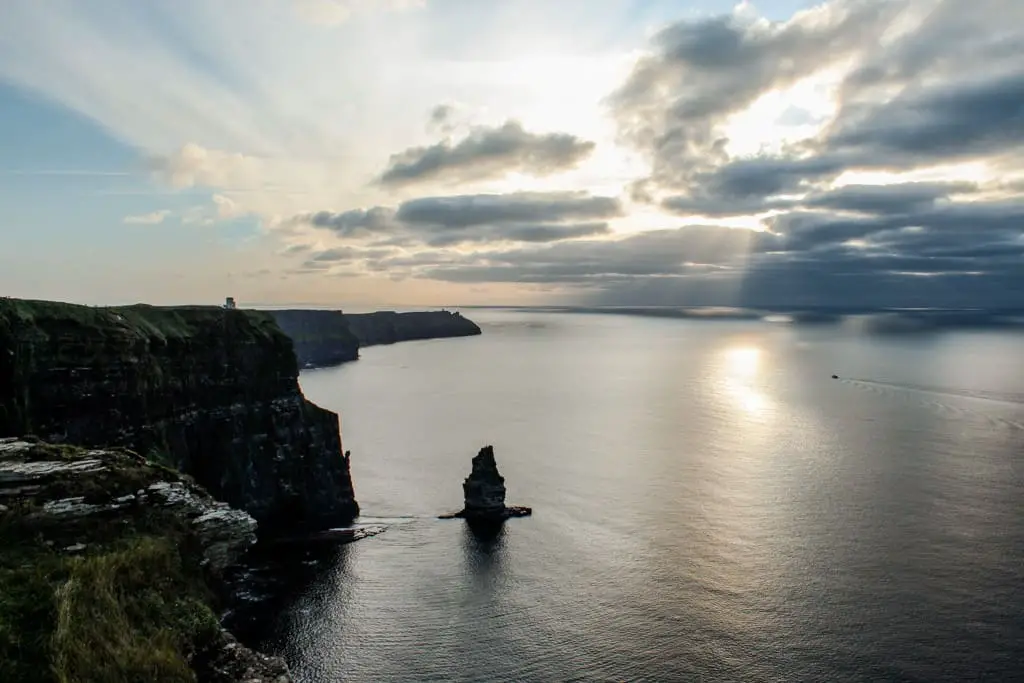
x=139 y=320
x=99 y=581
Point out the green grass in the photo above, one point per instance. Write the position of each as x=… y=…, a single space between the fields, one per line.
x=132 y=606
x=129 y=615
x=130 y=612
x=140 y=320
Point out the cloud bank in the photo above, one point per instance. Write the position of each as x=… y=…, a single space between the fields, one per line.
x=862 y=152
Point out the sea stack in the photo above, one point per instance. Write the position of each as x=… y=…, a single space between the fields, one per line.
x=484 y=490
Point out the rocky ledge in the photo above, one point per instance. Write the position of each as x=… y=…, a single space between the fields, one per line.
x=111 y=569
x=484 y=491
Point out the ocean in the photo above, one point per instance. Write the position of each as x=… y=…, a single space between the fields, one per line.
x=709 y=505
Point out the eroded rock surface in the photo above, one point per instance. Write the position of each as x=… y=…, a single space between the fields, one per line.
x=73 y=517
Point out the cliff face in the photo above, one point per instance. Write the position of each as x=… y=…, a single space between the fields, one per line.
x=211 y=392
x=388 y=327
x=110 y=569
x=484 y=491
x=484 y=488
x=324 y=338
x=319 y=337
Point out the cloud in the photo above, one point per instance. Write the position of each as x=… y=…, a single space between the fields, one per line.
x=154 y=218
x=926 y=82
x=894 y=198
x=977 y=115
x=193 y=165
x=677 y=252
x=878 y=142
x=293 y=249
x=907 y=244
x=487 y=153
x=441 y=114
x=468 y=210
x=463 y=219
x=677 y=99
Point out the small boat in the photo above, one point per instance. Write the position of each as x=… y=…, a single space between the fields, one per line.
x=835 y=376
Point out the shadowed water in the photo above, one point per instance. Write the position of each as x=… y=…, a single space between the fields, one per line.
x=708 y=505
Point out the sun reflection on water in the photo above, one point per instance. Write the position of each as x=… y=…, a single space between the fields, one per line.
x=742 y=366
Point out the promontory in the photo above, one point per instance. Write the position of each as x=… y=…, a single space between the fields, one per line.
x=323 y=337
x=141 y=448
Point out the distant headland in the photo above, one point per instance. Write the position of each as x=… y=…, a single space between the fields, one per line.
x=324 y=337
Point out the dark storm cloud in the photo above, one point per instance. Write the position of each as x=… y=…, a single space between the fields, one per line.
x=893 y=198
x=720 y=207
x=693 y=249
x=934 y=81
x=352 y=223
x=963 y=224
x=522 y=207
x=979 y=116
x=769 y=180
x=947 y=251
x=487 y=153
x=931 y=82
x=552 y=232
x=448 y=221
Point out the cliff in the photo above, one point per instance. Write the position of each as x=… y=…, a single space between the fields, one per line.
x=324 y=338
x=388 y=327
x=208 y=391
x=110 y=569
x=319 y=337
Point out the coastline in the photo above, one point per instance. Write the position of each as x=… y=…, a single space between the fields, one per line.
x=177 y=428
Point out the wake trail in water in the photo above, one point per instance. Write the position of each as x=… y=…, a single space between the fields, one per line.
x=925 y=397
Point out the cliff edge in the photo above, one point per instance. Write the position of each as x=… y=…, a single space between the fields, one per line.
x=110 y=571
x=208 y=391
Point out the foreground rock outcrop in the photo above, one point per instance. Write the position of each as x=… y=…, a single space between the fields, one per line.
x=324 y=338
x=484 y=491
x=208 y=391
x=110 y=569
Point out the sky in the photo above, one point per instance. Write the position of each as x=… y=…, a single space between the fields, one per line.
x=456 y=152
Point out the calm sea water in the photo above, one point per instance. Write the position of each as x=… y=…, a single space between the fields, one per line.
x=709 y=505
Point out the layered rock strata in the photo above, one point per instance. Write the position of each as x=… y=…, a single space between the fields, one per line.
x=208 y=391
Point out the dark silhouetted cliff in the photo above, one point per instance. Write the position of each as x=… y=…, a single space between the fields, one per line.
x=320 y=337
x=388 y=327
x=211 y=392
x=324 y=338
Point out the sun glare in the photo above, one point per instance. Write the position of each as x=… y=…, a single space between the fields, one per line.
x=784 y=116
x=740 y=368
x=744 y=361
